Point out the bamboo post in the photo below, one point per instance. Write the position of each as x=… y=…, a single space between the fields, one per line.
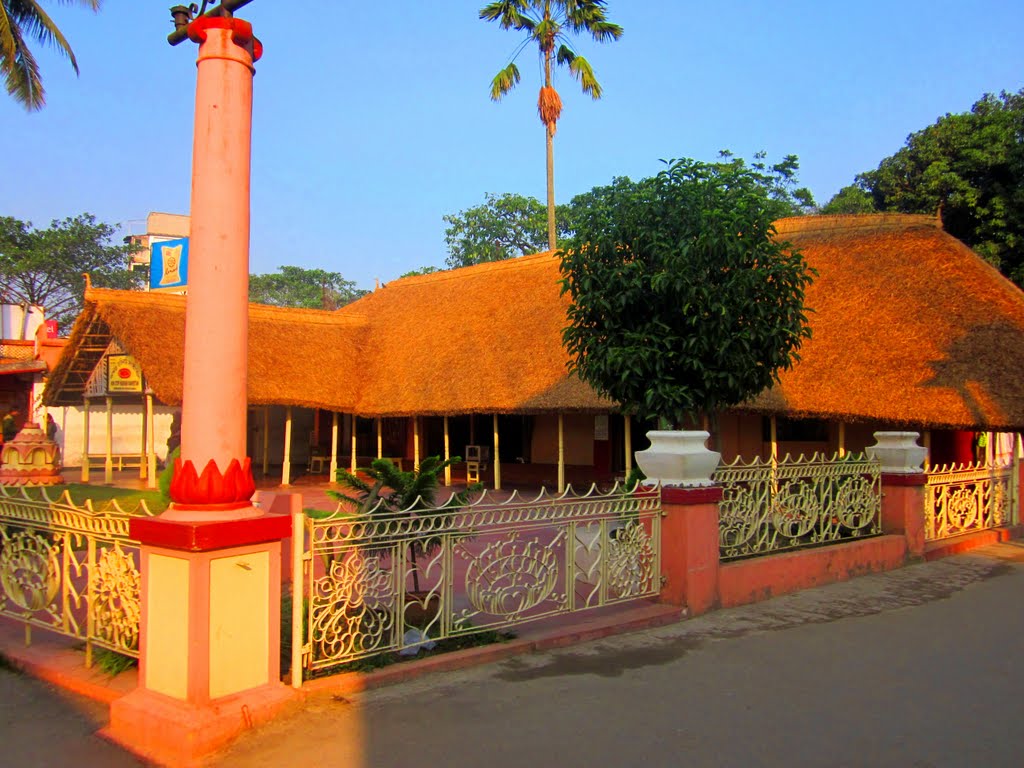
x=497 y=457
x=447 y=456
x=85 y=439
x=774 y=437
x=151 y=480
x=286 y=465
x=334 y=447
x=842 y=439
x=927 y=443
x=352 y=431
x=266 y=439
x=561 y=454
x=416 y=443
x=628 y=427
x=144 y=464
x=380 y=438
x=108 y=466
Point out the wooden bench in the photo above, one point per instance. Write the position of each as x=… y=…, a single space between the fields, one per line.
x=121 y=461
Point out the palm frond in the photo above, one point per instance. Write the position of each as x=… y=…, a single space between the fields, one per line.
x=565 y=55
x=510 y=14
x=504 y=81
x=582 y=71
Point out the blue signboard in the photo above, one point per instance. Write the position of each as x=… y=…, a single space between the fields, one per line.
x=168 y=265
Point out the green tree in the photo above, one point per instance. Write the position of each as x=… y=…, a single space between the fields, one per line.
x=550 y=24
x=502 y=227
x=300 y=287
x=968 y=168
x=26 y=18
x=850 y=199
x=511 y=225
x=683 y=300
x=44 y=267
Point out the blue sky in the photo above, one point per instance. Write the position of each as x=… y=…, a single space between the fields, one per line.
x=372 y=120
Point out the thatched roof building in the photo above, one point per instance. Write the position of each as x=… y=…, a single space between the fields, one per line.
x=910 y=327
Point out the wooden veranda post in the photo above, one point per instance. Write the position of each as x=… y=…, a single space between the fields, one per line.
x=286 y=464
x=497 y=457
x=108 y=466
x=85 y=439
x=334 y=447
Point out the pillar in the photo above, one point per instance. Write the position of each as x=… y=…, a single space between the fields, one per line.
x=416 y=443
x=151 y=478
x=561 y=453
x=108 y=463
x=211 y=564
x=334 y=447
x=286 y=464
x=497 y=457
x=689 y=547
x=447 y=456
x=266 y=439
x=85 y=439
x=903 y=487
x=380 y=438
x=352 y=459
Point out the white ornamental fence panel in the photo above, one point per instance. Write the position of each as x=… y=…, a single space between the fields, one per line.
x=69 y=568
x=798 y=502
x=969 y=497
x=386 y=581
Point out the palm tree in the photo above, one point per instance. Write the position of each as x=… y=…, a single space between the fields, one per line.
x=549 y=23
x=21 y=18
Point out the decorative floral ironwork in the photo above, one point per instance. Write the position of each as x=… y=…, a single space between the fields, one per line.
x=117 y=604
x=806 y=501
x=70 y=569
x=511 y=576
x=29 y=570
x=495 y=565
x=967 y=497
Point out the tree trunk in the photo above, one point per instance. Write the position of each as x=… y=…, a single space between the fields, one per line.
x=551 y=186
x=549 y=135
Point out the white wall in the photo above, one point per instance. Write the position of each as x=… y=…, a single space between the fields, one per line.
x=126 y=434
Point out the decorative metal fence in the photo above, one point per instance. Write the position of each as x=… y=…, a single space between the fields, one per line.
x=968 y=497
x=386 y=581
x=797 y=502
x=70 y=569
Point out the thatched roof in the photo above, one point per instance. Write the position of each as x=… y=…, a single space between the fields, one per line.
x=296 y=356
x=909 y=326
x=481 y=339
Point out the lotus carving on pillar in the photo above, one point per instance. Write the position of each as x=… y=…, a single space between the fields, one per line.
x=233 y=488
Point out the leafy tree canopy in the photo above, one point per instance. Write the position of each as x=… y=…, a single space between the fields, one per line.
x=850 y=199
x=300 y=287
x=509 y=225
x=969 y=168
x=682 y=300
x=44 y=267
x=502 y=227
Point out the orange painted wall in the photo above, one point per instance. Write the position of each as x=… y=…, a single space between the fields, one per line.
x=748 y=581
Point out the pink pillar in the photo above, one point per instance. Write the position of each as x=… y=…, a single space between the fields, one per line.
x=217 y=309
x=211 y=565
x=689 y=547
x=903 y=498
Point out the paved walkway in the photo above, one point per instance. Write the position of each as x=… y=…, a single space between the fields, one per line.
x=917 y=667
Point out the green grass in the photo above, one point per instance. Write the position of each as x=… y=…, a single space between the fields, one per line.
x=112 y=662
x=127 y=498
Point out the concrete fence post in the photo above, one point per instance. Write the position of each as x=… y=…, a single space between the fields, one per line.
x=689 y=547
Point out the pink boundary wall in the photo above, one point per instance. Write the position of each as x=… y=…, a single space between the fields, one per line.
x=695 y=578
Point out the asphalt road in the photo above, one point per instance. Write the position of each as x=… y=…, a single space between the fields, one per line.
x=917 y=668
